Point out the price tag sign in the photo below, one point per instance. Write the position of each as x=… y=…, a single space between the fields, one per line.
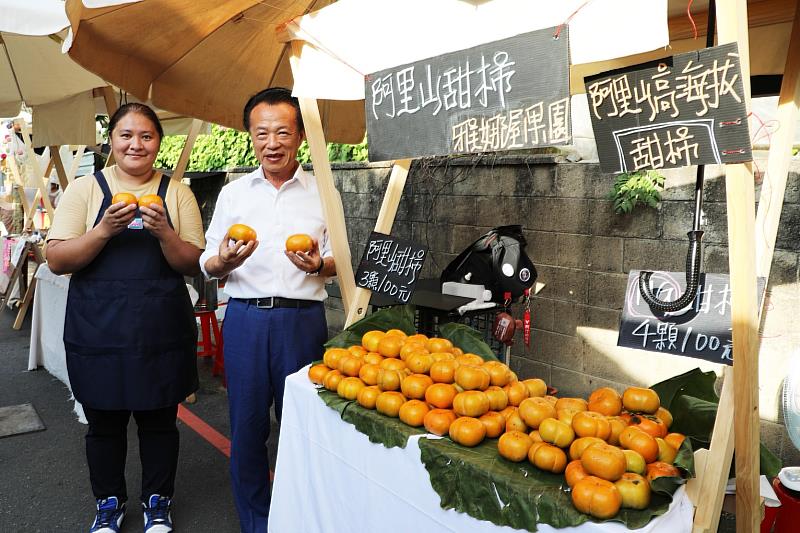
x=390 y=266
x=701 y=331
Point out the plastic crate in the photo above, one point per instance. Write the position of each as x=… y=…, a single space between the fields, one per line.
x=428 y=321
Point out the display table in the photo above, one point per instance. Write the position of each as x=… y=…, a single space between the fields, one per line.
x=330 y=477
x=47 y=327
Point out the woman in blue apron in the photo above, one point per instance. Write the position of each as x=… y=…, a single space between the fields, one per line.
x=129 y=332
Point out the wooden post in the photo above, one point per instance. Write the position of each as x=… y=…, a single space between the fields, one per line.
x=26 y=301
x=391 y=199
x=55 y=158
x=712 y=475
x=331 y=201
x=780 y=153
x=740 y=192
x=111 y=108
x=41 y=178
x=76 y=163
x=183 y=160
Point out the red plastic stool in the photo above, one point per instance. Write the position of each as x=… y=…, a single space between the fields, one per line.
x=210 y=347
x=789 y=511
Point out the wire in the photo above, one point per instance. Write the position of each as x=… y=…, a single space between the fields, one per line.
x=691 y=18
x=569 y=18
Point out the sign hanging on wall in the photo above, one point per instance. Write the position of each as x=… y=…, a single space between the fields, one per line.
x=683 y=110
x=702 y=331
x=505 y=95
x=390 y=266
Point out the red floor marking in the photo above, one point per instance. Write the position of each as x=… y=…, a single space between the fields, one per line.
x=211 y=435
x=214 y=437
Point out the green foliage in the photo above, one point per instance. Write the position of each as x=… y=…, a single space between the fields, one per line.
x=634 y=188
x=226 y=148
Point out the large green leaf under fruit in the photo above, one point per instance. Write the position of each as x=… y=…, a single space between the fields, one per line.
x=398 y=317
x=691 y=399
x=479 y=482
x=468 y=339
x=380 y=429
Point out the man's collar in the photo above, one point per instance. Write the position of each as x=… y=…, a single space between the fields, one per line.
x=300 y=175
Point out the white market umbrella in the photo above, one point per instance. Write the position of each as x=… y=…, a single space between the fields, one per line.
x=202 y=58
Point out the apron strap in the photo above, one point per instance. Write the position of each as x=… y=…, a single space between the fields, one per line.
x=101 y=181
x=162 y=192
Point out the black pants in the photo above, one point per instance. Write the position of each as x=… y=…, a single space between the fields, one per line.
x=107 y=449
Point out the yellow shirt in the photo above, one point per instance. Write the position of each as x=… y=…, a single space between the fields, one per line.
x=82 y=199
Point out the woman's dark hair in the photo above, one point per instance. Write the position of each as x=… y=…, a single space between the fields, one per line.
x=272 y=96
x=135 y=107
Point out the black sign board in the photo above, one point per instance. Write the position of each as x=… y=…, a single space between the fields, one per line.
x=702 y=331
x=683 y=110
x=505 y=95
x=390 y=266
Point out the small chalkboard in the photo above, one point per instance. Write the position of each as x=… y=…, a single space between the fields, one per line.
x=390 y=266
x=702 y=331
x=504 y=95
x=683 y=110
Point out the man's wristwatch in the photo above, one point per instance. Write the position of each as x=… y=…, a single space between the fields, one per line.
x=319 y=268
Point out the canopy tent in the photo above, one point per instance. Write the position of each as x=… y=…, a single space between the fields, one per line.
x=202 y=58
x=34 y=72
x=330 y=48
x=597 y=31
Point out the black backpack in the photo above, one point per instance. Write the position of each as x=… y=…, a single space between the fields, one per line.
x=497 y=261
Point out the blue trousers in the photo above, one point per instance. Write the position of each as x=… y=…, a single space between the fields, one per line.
x=262 y=347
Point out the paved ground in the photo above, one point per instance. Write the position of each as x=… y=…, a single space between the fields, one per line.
x=44 y=481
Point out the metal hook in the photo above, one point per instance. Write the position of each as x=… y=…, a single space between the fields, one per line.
x=693 y=261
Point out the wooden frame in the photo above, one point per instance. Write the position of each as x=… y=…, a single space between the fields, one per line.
x=19 y=275
x=751 y=240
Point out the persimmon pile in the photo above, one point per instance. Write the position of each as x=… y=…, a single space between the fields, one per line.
x=609 y=447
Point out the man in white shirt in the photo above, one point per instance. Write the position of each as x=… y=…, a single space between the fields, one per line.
x=275 y=321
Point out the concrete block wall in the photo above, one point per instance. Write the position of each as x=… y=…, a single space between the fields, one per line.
x=583 y=252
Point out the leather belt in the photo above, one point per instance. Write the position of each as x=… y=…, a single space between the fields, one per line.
x=271 y=302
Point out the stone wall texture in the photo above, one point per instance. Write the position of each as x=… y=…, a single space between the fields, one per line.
x=583 y=252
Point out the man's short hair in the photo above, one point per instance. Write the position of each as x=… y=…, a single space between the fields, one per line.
x=272 y=96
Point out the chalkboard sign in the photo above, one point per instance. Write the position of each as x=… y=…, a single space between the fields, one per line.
x=702 y=331
x=683 y=110
x=390 y=266
x=505 y=95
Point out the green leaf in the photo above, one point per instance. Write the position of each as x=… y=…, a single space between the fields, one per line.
x=468 y=339
x=390 y=432
x=396 y=317
x=695 y=382
x=517 y=495
x=691 y=399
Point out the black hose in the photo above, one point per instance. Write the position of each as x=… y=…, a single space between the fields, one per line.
x=693 y=260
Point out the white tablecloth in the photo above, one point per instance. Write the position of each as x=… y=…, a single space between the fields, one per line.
x=330 y=478
x=47 y=327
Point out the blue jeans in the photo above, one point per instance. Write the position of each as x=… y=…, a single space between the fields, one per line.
x=262 y=347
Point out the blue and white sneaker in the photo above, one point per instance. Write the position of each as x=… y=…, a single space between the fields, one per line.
x=110 y=514
x=157 y=517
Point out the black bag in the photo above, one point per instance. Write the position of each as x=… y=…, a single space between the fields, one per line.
x=497 y=261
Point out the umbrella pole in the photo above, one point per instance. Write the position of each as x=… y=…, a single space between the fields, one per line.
x=331 y=201
x=780 y=153
x=76 y=163
x=183 y=160
x=55 y=159
x=384 y=223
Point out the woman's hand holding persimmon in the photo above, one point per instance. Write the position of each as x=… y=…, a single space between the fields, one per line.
x=116 y=219
x=154 y=219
